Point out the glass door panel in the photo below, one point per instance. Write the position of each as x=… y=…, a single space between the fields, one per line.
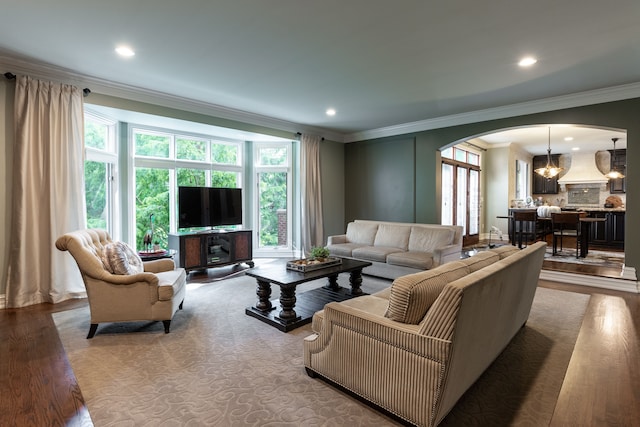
x=461 y=200
x=447 y=194
x=474 y=202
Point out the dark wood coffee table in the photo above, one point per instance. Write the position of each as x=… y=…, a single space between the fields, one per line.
x=306 y=303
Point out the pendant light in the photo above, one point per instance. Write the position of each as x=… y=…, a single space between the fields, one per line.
x=614 y=173
x=550 y=170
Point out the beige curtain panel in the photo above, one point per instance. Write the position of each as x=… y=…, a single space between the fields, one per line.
x=312 y=227
x=48 y=194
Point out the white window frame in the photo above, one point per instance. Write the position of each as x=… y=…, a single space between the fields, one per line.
x=172 y=164
x=275 y=251
x=109 y=156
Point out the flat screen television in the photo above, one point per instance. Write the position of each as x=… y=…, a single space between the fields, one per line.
x=209 y=207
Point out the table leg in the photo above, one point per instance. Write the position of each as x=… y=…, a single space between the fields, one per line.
x=585 y=229
x=287 y=302
x=264 y=293
x=355 y=280
x=333 y=283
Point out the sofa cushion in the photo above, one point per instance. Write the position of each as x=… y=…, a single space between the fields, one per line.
x=420 y=260
x=385 y=293
x=505 y=251
x=395 y=236
x=361 y=232
x=374 y=253
x=481 y=260
x=413 y=294
x=343 y=249
x=367 y=303
x=170 y=283
x=426 y=239
x=119 y=258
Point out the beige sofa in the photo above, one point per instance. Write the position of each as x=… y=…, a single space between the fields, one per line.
x=155 y=293
x=397 y=248
x=416 y=347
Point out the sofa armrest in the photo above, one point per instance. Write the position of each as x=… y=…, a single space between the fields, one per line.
x=380 y=360
x=337 y=239
x=377 y=328
x=159 y=265
x=446 y=254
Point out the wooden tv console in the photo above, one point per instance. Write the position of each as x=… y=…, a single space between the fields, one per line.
x=213 y=248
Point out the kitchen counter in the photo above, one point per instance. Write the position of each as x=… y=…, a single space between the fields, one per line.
x=601 y=209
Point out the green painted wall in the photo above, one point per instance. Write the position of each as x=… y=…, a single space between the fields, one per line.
x=332 y=170
x=381 y=180
x=366 y=159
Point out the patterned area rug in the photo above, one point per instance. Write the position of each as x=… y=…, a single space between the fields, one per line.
x=594 y=257
x=219 y=367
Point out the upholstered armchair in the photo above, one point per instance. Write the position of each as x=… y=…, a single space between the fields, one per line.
x=152 y=290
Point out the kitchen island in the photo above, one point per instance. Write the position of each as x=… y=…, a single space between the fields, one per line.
x=606 y=234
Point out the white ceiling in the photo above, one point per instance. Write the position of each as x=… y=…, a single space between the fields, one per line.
x=380 y=64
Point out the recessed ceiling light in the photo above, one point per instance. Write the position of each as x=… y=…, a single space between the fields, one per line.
x=575 y=149
x=125 y=51
x=331 y=112
x=568 y=138
x=527 y=61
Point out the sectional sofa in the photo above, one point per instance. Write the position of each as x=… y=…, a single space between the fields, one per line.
x=416 y=347
x=396 y=248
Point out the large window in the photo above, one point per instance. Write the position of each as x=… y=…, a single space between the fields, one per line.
x=100 y=173
x=273 y=197
x=461 y=192
x=163 y=161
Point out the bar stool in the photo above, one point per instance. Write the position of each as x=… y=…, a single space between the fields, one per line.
x=524 y=227
x=565 y=224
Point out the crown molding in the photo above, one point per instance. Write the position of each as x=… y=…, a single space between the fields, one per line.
x=119 y=90
x=614 y=93
x=111 y=88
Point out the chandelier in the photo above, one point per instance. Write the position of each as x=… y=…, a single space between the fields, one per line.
x=614 y=173
x=550 y=170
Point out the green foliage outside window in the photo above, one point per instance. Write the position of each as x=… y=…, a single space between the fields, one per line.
x=95 y=135
x=151 y=145
x=273 y=196
x=191 y=149
x=224 y=154
x=95 y=183
x=273 y=156
x=152 y=197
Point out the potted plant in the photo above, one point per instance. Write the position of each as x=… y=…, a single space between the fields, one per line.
x=319 y=253
x=318 y=258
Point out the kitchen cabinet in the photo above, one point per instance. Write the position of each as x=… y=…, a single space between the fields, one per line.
x=610 y=233
x=540 y=184
x=619 y=162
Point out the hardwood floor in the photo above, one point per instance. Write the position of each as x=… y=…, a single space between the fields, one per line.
x=37 y=385
x=601 y=386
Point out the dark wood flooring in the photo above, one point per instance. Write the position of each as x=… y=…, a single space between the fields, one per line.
x=601 y=386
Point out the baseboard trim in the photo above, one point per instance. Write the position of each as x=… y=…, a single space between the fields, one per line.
x=621 y=284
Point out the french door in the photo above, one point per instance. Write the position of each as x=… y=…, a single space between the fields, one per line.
x=461 y=198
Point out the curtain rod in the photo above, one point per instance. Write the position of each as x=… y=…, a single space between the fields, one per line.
x=10 y=76
x=300 y=134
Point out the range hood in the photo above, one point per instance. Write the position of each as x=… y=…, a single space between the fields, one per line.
x=583 y=171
